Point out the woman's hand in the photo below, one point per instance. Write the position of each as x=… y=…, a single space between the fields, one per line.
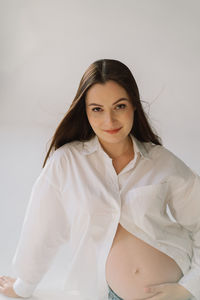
x=6 y=287
x=168 y=291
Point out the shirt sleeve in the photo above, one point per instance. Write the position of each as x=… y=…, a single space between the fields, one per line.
x=184 y=204
x=44 y=230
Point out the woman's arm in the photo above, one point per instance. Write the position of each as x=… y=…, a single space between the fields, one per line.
x=45 y=228
x=184 y=204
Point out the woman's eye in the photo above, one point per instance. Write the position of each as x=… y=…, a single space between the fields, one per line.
x=95 y=108
x=123 y=105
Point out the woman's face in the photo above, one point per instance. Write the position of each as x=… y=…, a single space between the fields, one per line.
x=108 y=107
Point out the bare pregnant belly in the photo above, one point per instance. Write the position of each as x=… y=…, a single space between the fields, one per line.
x=132 y=264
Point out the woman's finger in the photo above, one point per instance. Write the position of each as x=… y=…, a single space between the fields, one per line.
x=2 y=278
x=6 y=287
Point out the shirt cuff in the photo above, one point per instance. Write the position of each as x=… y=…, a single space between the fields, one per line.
x=23 y=288
x=190 y=281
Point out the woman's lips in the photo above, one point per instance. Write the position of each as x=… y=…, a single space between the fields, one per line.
x=113 y=131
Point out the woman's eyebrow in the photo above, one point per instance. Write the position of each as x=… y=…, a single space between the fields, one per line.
x=112 y=104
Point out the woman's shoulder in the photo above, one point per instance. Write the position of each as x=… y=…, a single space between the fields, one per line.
x=170 y=161
x=59 y=158
x=58 y=166
x=66 y=149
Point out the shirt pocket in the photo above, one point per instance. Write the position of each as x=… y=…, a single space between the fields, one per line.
x=147 y=204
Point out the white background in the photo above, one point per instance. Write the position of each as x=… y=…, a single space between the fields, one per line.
x=46 y=46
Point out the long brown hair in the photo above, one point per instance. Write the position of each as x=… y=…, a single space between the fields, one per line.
x=75 y=124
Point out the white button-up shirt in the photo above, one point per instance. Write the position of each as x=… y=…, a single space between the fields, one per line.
x=79 y=199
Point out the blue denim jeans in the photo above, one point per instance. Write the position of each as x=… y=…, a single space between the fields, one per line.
x=112 y=295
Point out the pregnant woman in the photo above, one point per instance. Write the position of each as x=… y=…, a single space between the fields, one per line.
x=107 y=191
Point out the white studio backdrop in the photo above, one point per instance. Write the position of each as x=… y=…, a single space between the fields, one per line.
x=46 y=47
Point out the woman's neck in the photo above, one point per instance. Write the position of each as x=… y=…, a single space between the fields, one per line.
x=119 y=150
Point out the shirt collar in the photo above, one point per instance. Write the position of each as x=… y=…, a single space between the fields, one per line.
x=94 y=145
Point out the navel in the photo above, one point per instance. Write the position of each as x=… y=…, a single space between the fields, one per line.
x=135 y=271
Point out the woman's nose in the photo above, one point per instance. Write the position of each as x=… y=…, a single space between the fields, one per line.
x=110 y=117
